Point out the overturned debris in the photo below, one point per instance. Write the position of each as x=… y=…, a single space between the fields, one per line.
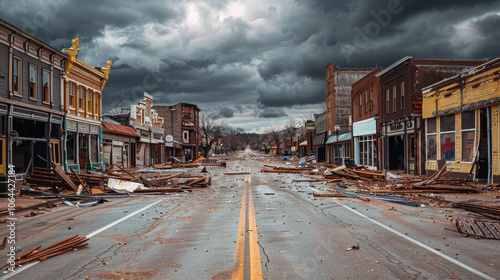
x=478 y=228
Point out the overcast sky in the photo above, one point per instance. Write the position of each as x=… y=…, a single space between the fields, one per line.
x=254 y=63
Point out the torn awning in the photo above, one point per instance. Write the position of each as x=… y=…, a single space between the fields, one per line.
x=319 y=139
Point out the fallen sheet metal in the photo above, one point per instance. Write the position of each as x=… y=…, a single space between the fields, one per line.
x=478 y=228
x=122 y=186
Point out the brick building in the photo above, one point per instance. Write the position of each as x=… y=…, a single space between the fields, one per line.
x=182 y=129
x=365 y=120
x=31 y=111
x=462 y=123
x=338 y=109
x=401 y=108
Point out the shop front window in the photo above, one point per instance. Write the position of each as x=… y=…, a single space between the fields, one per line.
x=468 y=135
x=447 y=137
x=71 y=147
x=431 y=139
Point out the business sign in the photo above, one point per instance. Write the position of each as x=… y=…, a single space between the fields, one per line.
x=310 y=125
x=169 y=138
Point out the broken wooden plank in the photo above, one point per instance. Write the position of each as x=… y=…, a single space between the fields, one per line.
x=81 y=182
x=61 y=175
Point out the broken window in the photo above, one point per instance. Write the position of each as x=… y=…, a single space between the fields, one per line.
x=431 y=139
x=71 y=147
x=447 y=137
x=468 y=135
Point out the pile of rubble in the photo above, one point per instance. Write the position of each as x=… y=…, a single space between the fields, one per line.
x=114 y=179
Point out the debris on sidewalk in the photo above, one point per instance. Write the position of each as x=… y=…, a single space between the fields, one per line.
x=354 y=247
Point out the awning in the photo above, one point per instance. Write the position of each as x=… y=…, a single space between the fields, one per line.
x=319 y=139
x=174 y=144
x=303 y=143
x=147 y=140
x=365 y=127
x=341 y=138
x=119 y=129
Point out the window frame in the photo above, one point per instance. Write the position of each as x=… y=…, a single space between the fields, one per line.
x=90 y=107
x=427 y=134
x=32 y=86
x=394 y=98
x=71 y=95
x=360 y=104
x=443 y=133
x=402 y=95
x=371 y=99
x=46 y=89
x=19 y=63
x=388 y=100
x=462 y=130
x=366 y=100
x=80 y=98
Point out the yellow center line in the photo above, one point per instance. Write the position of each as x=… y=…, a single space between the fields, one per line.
x=255 y=264
x=239 y=259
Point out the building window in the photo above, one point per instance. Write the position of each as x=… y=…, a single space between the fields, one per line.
x=366 y=100
x=185 y=137
x=371 y=99
x=447 y=137
x=402 y=95
x=32 y=82
x=468 y=135
x=71 y=93
x=46 y=86
x=89 y=101
x=368 y=151
x=360 y=104
x=388 y=101
x=16 y=76
x=96 y=108
x=394 y=98
x=80 y=98
x=431 y=139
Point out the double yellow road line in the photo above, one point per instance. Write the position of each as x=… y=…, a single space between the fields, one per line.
x=247 y=213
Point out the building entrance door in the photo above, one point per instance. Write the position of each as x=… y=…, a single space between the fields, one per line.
x=483 y=171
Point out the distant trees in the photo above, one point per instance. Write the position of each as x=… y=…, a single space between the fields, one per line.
x=211 y=130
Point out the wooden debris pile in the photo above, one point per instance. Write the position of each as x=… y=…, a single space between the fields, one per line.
x=38 y=254
x=112 y=179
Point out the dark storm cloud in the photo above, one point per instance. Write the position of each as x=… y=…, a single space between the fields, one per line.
x=272 y=112
x=226 y=113
x=235 y=55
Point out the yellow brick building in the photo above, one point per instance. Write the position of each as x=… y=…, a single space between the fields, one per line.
x=461 y=121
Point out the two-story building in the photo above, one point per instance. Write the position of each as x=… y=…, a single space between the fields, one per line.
x=82 y=89
x=182 y=137
x=31 y=112
x=401 y=107
x=149 y=126
x=462 y=123
x=365 y=120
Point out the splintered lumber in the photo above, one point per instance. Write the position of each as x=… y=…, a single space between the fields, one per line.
x=492 y=212
x=40 y=254
x=81 y=182
x=281 y=171
x=348 y=175
x=236 y=173
x=61 y=175
x=433 y=178
x=368 y=174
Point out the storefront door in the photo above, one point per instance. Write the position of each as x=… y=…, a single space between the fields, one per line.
x=3 y=151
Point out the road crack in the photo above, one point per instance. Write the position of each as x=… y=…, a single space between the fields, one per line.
x=267 y=257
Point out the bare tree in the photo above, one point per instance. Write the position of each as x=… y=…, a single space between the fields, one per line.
x=211 y=130
x=277 y=137
x=289 y=130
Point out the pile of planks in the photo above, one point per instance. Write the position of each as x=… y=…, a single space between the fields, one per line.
x=60 y=182
x=286 y=169
x=38 y=254
x=355 y=173
x=485 y=210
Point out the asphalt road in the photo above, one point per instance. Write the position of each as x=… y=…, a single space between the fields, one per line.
x=255 y=226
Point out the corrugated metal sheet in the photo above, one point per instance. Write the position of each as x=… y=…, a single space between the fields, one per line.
x=119 y=129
